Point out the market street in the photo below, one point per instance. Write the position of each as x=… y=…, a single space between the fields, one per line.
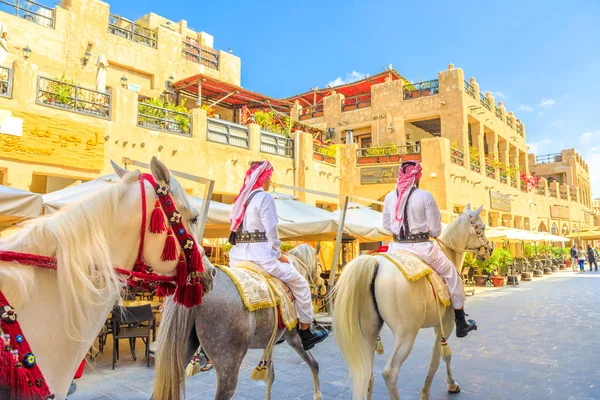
x=534 y=342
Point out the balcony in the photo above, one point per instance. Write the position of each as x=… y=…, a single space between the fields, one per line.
x=70 y=97
x=5 y=82
x=163 y=119
x=273 y=143
x=309 y=112
x=422 y=89
x=129 y=30
x=325 y=154
x=499 y=113
x=513 y=182
x=30 y=11
x=228 y=133
x=510 y=122
x=356 y=102
x=574 y=195
x=485 y=102
x=523 y=187
x=200 y=54
x=470 y=89
x=503 y=179
x=548 y=158
x=552 y=192
x=540 y=190
x=388 y=155
x=490 y=171
x=564 y=196
x=475 y=167
x=457 y=157
x=520 y=129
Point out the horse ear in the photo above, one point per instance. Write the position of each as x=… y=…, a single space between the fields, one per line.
x=477 y=212
x=468 y=207
x=121 y=172
x=160 y=172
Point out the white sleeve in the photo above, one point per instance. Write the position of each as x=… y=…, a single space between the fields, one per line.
x=434 y=217
x=268 y=217
x=387 y=213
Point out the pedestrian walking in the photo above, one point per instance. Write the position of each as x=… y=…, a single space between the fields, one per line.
x=591 y=258
x=581 y=259
x=574 y=257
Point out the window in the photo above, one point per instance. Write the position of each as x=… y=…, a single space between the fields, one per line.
x=365 y=141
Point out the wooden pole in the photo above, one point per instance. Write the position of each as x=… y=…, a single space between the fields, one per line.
x=338 y=246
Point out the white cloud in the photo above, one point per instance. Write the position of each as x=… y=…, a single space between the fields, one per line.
x=541 y=114
x=349 y=78
x=499 y=95
x=586 y=137
x=537 y=147
x=547 y=103
x=525 y=108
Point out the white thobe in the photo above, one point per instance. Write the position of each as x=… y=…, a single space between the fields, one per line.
x=261 y=215
x=424 y=216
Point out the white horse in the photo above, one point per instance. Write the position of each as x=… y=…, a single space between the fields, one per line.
x=62 y=311
x=371 y=290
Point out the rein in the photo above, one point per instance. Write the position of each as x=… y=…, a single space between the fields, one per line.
x=478 y=233
x=19 y=372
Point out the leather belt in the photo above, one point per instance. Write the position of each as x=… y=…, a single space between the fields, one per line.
x=252 y=237
x=412 y=238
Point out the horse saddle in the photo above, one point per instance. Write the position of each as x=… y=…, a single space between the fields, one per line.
x=259 y=290
x=414 y=268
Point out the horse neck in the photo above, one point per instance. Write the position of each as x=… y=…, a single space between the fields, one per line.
x=451 y=236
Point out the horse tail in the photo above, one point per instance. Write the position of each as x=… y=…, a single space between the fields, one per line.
x=175 y=327
x=351 y=293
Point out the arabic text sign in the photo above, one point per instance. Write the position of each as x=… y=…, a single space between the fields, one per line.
x=500 y=202
x=57 y=142
x=378 y=175
x=559 y=212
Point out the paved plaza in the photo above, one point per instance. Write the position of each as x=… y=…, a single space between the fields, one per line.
x=538 y=341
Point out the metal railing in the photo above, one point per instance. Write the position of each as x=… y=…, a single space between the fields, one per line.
x=325 y=154
x=31 y=11
x=520 y=128
x=6 y=79
x=387 y=154
x=490 y=171
x=475 y=167
x=564 y=196
x=457 y=156
x=509 y=121
x=523 y=186
x=356 y=102
x=200 y=54
x=552 y=192
x=499 y=113
x=70 y=97
x=470 y=89
x=421 y=89
x=574 y=195
x=548 y=158
x=273 y=143
x=503 y=179
x=226 y=132
x=540 y=190
x=309 y=112
x=163 y=119
x=513 y=182
x=129 y=30
x=485 y=102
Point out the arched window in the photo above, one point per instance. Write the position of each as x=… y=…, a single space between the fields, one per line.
x=542 y=227
x=574 y=230
x=565 y=230
x=554 y=229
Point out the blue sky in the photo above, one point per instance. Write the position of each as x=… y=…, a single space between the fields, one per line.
x=542 y=58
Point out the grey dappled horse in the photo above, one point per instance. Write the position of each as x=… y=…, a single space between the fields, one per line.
x=226 y=330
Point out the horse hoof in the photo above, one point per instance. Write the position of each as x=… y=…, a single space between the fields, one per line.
x=454 y=389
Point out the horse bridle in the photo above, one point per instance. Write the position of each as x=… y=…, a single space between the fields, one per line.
x=310 y=278
x=484 y=243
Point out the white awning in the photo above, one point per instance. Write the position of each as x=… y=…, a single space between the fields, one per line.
x=363 y=223
x=17 y=204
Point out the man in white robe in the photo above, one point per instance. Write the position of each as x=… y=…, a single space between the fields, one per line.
x=254 y=228
x=413 y=216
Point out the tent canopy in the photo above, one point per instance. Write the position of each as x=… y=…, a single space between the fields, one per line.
x=17 y=204
x=364 y=223
x=592 y=234
x=301 y=221
x=500 y=234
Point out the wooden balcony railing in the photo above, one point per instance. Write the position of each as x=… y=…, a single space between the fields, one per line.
x=457 y=157
x=325 y=154
x=309 y=112
x=490 y=171
x=356 y=102
x=475 y=167
x=195 y=52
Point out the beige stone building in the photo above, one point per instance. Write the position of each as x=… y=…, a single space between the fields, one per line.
x=80 y=86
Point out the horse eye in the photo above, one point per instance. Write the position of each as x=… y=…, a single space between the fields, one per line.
x=195 y=220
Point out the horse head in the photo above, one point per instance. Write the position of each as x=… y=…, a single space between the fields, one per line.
x=310 y=267
x=476 y=241
x=154 y=243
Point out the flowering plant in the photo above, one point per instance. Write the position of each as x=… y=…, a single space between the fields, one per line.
x=530 y=181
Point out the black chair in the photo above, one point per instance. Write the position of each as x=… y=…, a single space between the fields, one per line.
x=132 y=323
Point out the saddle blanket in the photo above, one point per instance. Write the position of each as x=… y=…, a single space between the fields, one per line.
x=253 y=284
x=413 y=269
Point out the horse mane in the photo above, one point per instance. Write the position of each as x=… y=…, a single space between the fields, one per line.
x=306 y=253
x=78 y=236
x=449 y=234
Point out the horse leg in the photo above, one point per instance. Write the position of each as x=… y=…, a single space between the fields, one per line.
x=270 y=380
x=293 y=339
x=403 y=343
x=433 y=365
x=448 y=322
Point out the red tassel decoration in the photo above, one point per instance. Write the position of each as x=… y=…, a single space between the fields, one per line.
x=165 y=289
x=21 y=383
x=196 y=262
x=181 y=273
x=189 y=295
x=157 y=219
x=170 y=251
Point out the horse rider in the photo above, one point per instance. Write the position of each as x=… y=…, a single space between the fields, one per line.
x=413 y=216
x=255 y=239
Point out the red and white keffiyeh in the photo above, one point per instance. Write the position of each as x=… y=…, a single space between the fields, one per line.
x=256 y=175
x=408 y=174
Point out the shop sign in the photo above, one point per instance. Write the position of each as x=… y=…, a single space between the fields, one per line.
x=378 y=175
x=558 y=212
x=500 y=202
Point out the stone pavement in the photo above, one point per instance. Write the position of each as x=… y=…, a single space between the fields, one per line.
x=537 y=341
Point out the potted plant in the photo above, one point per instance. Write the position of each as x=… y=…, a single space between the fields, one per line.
x=500 y=259
x=482 y=270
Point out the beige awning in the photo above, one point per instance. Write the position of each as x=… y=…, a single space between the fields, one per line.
x=17 y=204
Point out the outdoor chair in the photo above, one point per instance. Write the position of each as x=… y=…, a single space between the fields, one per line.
x=132 y=323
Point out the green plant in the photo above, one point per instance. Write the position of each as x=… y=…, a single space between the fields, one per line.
x=285 y=247
x=469 y=261
x=500 y=259
x=280 y=124
x=474 y=155
x=529 y=250
x=227 y=247
x=155 y=111
x=388 y=149
x=454 y=143
x=60 y=90
x=328 y=151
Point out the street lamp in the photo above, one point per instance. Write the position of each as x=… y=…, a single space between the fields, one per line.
x=86 y=57
x=26 y=52
x=124 y=81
